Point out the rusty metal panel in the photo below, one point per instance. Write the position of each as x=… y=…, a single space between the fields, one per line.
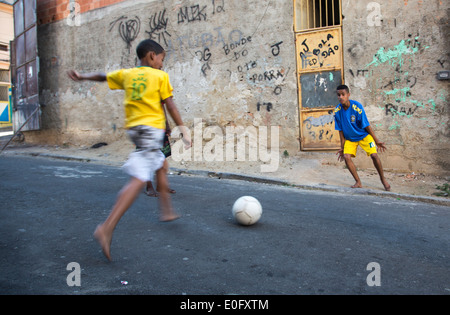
x=20 y=87
x=29 y=13
x=318 y=100
x=25 y=67
x=30 y=44
x=20 y=49
x=318 y=131
x=319 y=50
x=319 y=70
x=318 y=89
x=32 y=87
x=18 y=17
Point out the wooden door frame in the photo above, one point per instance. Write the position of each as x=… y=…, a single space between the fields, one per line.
x=303 y=112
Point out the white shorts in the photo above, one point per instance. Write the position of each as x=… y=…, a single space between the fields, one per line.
x=148 y=158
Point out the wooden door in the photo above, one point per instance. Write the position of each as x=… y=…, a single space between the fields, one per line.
x=319 y=51
x=319 y=69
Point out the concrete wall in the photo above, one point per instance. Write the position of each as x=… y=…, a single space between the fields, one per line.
x=233 y=63
x=393 y=51
x=224 y=58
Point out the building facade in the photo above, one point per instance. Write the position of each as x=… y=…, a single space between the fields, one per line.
x=240 y=64
x=6 y=36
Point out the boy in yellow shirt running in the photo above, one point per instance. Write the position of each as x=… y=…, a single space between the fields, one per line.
x=145 y=88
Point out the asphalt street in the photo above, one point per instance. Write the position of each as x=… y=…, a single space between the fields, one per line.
x=307 y=242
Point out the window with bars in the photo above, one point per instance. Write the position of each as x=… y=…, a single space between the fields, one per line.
x=4 y=93
x=4 y=75
x=312 y=14
x=4 y=85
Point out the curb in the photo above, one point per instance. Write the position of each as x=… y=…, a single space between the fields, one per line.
x=321 y=187
x=269 y=181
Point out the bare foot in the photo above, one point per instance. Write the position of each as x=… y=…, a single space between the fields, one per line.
x=104 y=240
x=168 y=217
x=151 y=193
x=386 y=185
x=357 y=185
x=155 y=194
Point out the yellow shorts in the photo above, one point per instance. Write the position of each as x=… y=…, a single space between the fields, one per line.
x=367 y=144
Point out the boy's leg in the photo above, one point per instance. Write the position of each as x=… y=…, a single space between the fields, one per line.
x=125 y=199
x=369 y=145
x=165 y=204
x=352 y=168
x=166 y=169
x=377 y=163
x=150 y=191
x=350 y=151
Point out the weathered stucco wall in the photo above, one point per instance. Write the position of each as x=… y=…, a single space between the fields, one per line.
x=394 y=50
x=233 y=63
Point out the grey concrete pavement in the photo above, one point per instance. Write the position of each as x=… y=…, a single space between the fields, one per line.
x=307 y=241
x=312 y=174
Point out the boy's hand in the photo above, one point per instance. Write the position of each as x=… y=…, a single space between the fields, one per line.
x=187 y=143
x=74 y=75
x=93 y=76
x=340 y=154
x=381 y=146
x=186 y=137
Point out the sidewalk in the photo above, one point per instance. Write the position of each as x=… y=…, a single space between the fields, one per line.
x=304 y=170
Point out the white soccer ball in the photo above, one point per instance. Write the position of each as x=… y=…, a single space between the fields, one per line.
x=247 y=210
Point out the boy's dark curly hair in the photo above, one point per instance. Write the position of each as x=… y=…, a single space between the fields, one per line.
x=146 y=46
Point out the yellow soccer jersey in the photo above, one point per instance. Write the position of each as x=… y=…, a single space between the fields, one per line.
x=145 y=88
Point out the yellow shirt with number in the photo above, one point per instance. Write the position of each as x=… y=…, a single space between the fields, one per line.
x=145 y=88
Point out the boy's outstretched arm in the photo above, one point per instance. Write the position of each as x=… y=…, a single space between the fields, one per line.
x=175 y=114
x=94 y=76
x=379 y=144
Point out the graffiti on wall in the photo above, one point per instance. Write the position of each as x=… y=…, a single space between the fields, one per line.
x=216 y=46
x=320 y=127
x=319 y=51
x=158 y=27
x=397 y=90
x=128 y=29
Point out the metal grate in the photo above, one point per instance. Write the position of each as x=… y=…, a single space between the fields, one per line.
x=4 y=76
x=312 y=14
x=4 y=85
x=4 y=93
